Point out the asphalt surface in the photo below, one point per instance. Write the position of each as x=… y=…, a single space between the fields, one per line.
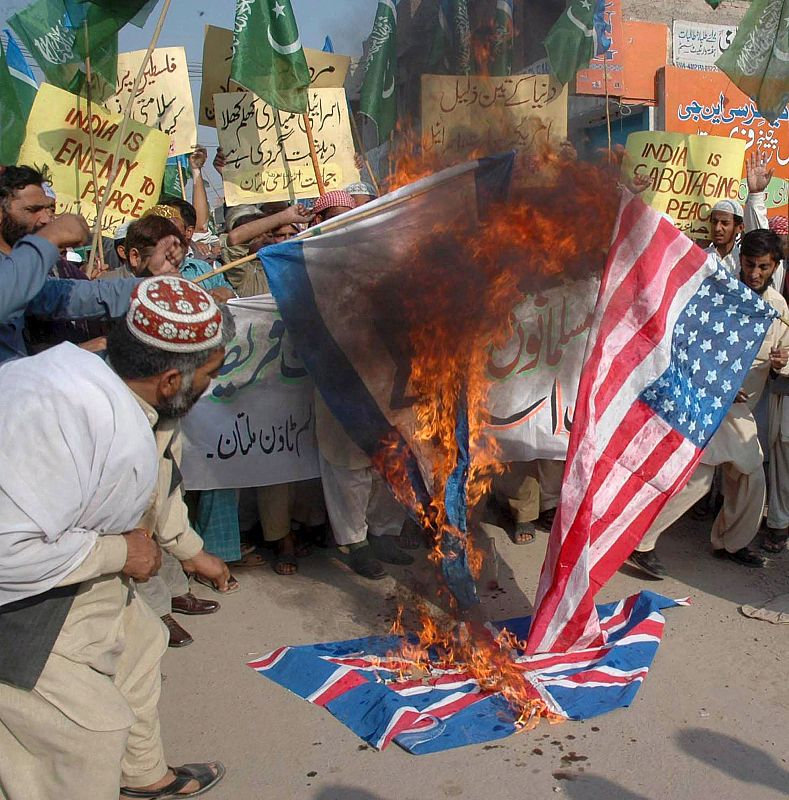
x=710 y=722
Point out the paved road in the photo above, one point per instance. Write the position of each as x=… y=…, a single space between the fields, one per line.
x=710 y=723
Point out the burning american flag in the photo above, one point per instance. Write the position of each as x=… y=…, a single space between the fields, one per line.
x=393 y=317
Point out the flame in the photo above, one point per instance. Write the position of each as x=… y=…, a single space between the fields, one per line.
x=558 y=228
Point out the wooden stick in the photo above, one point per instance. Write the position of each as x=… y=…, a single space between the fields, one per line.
x=181 y=178
x=122 y=133
x=360 y=146
x=325 y=227
x=91 y=138
x=607 y=107
x=314 y=153
x=288 y=174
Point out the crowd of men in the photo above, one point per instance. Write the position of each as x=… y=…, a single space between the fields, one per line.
x=99 y=542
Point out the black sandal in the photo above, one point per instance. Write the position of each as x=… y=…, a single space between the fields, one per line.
x=202 y=773
x=775 y=540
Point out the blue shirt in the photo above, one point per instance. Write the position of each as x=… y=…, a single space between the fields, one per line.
x=25 y=289
x=193 y=268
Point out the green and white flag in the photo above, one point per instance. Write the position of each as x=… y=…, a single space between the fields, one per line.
x=60 y=46
x=268 y=58
x=176 y=173
x=757 y=61
x=571 y=42
x=451 y=51
x=501 y=57
x=16 y=99
x=379 y=98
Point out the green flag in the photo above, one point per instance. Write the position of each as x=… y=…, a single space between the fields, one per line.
x=501 y=57
x=268 y=58
x=379 y=98
x=13 y=114
x=757 y=61
x=451 y=51
x=59 y=46
x=570 y=43
x=176 y=173
x=135 y=11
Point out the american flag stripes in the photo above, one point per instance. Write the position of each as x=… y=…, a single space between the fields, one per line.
x=673 y=336
x=359 y=682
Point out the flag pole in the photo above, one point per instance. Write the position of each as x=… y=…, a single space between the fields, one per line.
x=288 y=173
x=91 y=133
x=181 y=178
x=313 y=152
x=122 y=134
x=360 y=145
x=330 y=225
x=607 y=106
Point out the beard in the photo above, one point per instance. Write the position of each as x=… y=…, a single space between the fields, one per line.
x=11 y=230
x=181 y=403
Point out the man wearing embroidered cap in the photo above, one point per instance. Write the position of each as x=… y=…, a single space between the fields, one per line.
x=80 y=652
x=728 y=219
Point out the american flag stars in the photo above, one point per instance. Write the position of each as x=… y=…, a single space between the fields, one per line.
x=715 y=339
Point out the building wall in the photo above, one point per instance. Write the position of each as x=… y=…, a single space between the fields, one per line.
x=729 y=12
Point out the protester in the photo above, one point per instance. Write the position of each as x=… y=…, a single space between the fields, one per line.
x=735 y=445
x=119 y=246
x=362 y=193
x=780 y=225
x=518 y=494
x=154 y=246
x=728 y=219
x=30 y=243
x=80 y=651
x=357 y=500
x=249 y=226
x=183 y=216
x=331 y=205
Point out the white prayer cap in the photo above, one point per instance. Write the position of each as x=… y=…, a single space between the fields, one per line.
x=73 y=256
x=729 y=207
x=121 y=231
x=206 y=237
x=362 y=188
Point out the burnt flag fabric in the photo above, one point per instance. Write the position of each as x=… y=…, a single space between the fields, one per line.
x=340 y=294
x=362 y=683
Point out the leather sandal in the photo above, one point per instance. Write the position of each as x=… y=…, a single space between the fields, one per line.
x=201 y=773
x=775 y=540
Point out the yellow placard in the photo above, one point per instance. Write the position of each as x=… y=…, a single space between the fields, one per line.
x=164 y=96
x=58 y=137
x=267 y=152
x=471 y=116
x=327 y=70
x=688 y=174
